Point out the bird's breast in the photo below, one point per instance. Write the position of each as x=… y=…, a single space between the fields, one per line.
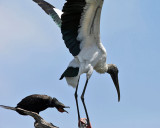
x=93 y=56
x=100 y=66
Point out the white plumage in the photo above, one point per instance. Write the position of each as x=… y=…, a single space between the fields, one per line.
x=80 y=27
x=92 y=54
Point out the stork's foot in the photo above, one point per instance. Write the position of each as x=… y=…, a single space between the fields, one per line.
x=83 y=123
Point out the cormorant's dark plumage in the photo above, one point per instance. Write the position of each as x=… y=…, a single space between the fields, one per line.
x=37 y=103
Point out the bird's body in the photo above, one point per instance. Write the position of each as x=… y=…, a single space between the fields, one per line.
x=79 y=22
x=37 y=103
x=86 y=63
x=91 y=54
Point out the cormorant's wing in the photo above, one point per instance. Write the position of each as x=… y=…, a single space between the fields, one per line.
x=35 y=102
x=80 y=23
x=51 y=10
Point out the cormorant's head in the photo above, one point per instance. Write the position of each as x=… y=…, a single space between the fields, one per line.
x=113 y=71
x=58 y=105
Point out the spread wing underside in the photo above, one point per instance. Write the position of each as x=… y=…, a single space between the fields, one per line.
x=73 y=10
x=78 y=20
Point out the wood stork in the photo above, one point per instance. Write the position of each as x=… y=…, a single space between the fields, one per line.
x=37 y=103
x=80 y=27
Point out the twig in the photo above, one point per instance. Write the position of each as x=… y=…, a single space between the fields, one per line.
x=39 y=121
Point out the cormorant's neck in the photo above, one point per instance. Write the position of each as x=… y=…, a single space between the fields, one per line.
x=52 y=103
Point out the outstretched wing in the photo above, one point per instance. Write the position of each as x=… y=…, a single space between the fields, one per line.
x=50 y=10
x=80 y=20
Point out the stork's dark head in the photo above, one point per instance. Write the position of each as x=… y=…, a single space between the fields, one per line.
x=58 y=105
x=113 y=71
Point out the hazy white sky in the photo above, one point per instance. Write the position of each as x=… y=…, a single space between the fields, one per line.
x=33 y=57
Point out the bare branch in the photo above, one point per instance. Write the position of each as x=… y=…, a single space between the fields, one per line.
x=39 y=121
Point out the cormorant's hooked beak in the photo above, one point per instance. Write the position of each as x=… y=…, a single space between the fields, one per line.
x=114 y=77
x=61 y=109
x=59 y=106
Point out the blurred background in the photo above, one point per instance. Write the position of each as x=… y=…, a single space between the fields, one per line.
x=33 y=57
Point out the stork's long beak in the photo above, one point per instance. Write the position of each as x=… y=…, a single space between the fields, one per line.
x=116 y=83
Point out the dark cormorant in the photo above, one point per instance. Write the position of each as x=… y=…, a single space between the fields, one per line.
x=37 y=103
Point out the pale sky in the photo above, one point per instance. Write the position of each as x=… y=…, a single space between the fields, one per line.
x=33 y=57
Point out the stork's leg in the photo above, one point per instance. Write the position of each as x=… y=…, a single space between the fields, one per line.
x=82 y=98
x=75 y=94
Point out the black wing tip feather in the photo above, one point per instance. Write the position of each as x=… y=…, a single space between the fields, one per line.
x=45 y=6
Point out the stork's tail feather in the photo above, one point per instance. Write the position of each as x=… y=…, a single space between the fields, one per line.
x=71 y=75
x=50 y=10
x=70 y=72
x=8 y=107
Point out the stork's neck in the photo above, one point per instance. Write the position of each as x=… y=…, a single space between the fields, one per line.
x=112 y=69
x=101 y=68
x=106 y=68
